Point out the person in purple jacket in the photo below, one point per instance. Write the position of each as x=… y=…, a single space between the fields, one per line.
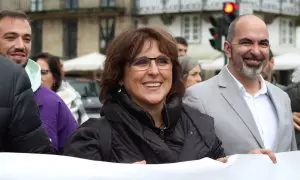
x=15 y=43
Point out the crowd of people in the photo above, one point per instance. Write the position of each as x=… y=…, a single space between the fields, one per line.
x=156 y=108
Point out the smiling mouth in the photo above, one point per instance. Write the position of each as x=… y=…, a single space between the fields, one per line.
x=252 y=62
x=17 y=55
x=152 y=85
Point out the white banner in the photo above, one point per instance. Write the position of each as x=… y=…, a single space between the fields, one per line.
x=14 y=166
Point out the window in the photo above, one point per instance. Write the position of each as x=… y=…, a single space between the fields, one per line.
x=36 y=5
x=288 y=1
x=70 y=38
x=108 y=3
x=107 y=32
x=191 y=28
x=37 y=37
x=287 y=31
x=72 y=4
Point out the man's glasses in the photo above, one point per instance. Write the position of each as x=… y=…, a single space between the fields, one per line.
x=45 y=71
x=143 y=63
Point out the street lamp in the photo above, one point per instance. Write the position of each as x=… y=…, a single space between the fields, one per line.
x=107 y=32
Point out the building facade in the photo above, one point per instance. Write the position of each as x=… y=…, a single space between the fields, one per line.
x=190 y=19
x=71 y=28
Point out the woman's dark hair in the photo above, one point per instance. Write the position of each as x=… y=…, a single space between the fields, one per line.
x=54 y=66
x=124 y=49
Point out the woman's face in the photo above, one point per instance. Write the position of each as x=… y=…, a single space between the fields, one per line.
x=47 y=77
x=148 y=82
x=193 y=77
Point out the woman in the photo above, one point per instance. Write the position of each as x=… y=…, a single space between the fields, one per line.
x=142 y=90
x=56 y=118
x=191 y=71
x=53 y=78
x=144 y=119
x=50 y=70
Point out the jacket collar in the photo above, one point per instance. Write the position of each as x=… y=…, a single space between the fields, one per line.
x=33 y=71
x=171 y=111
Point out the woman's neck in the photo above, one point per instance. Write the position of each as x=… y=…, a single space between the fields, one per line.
x=155 y=112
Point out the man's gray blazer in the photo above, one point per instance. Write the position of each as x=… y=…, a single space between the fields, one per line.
x=235 y=126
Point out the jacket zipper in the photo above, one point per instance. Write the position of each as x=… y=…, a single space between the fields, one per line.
x=162 y=132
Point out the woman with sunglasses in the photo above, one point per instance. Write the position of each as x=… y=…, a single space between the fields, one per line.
x=57 y=119
x=191 y=71
x=50 y=70
x=53 y=78
x=142 y=93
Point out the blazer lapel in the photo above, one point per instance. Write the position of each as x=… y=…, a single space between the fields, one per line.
x=230 y=91
x=280 y=115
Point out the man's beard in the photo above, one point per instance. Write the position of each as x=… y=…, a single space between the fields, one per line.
x=251 y=72
x=18 y=61
x=24 y=65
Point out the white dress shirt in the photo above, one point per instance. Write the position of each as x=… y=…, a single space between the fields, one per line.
x=263 y=112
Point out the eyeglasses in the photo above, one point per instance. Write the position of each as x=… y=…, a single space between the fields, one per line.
x=143 y=63
x=45 y=71
x=196 y=74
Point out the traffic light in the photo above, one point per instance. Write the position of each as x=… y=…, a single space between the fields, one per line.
x=216 y=33
x=230 y=12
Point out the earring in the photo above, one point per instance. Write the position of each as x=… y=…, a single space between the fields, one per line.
x=121 y=86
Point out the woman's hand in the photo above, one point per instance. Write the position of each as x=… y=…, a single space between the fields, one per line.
x=223 y=159
x=268 y=152
x=140 y=162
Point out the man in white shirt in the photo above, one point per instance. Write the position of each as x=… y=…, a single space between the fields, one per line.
x=249 y=112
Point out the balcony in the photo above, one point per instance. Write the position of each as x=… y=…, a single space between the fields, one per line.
x=75 y=13
x=168 y=6
x=284 y=7
x=58 y=9
x=271 y=6
x=290 y=9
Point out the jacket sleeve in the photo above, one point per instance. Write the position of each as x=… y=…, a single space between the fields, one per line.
x=84 y=142
x=294 y=142
x=192 y=99
x=66 y=124
x=217 y=150
x=25 y=133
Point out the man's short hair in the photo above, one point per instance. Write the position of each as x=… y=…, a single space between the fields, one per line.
x=232 y=27
x=181 y=40
x=13 y=14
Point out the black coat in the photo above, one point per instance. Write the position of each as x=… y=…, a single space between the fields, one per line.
x=20 y=126
x=293 y=91
x=188 y=135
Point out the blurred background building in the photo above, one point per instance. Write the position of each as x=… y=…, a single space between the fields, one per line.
x=189 y=18
x=71 y=28
x=74 y=28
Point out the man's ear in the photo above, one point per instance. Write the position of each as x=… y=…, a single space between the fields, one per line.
x=227 y=49
x=272 y=63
